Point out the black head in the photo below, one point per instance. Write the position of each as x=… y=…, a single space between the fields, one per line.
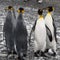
x=20 y=10
x=9 y=8
x=50 y=8
x=40 y=11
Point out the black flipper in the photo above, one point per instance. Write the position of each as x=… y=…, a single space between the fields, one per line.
x=54 y=30
x=33 y=28
x=49 y=33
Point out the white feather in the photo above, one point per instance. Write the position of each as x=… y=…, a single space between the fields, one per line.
x=40 y=34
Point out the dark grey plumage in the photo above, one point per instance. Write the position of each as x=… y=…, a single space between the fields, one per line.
x=8 y=29
x=21 y=35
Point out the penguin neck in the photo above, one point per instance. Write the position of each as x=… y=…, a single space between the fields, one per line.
x=41 y=17
x=49 y=13
x=9 y=14
x=20 y=16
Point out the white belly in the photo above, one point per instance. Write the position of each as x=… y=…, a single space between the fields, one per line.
x=40 y=34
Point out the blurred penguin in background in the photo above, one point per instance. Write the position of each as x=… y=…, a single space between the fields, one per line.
x=8 y=29
x=26 y=0
x=40 y=35
x=21 y=35
x=51 y=41
x=39 y=1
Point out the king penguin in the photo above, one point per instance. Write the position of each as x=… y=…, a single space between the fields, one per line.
x=8 y=29
x=40 y=35
x=51 y=39
x=21 y=35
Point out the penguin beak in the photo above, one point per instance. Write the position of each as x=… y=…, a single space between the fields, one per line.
x=53 y=8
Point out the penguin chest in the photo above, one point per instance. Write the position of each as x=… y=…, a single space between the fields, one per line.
x=40 y=32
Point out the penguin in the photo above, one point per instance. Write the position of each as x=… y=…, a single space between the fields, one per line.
x=49 y=21
x=39 y=30
x=39 y=1
x=26 y=0
x=8 y=30
x=21 y=35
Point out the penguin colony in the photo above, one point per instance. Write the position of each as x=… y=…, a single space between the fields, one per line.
x=15 y=33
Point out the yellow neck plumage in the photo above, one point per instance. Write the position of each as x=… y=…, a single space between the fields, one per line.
x=40 y=17
x=21 y=11
x=49 y=13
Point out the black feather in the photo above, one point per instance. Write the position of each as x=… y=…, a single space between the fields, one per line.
x=49 y=33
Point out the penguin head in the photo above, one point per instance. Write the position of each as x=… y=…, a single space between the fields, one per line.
x=9 y=8
x=40 y=12
x=20 y=10
x=50 y=8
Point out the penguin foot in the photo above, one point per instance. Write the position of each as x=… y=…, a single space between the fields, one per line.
x=24 y=55
x=54 y=54
x=36 y=54
x=43 y=54
x=19 y=58
x=14 y=52
x=46 y=50
x=9 y=52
